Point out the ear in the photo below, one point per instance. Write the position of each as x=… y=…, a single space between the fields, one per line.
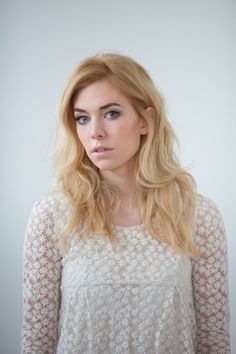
x=144 y=127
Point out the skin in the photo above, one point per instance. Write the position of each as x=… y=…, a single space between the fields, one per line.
x=118 y=128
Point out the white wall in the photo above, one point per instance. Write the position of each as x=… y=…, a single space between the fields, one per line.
x=189 y=48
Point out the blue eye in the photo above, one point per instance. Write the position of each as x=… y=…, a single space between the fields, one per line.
x=82 y=119
x=113 y=114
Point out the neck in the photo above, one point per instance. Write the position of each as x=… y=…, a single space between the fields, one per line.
x=128 y=211
x=124 y=181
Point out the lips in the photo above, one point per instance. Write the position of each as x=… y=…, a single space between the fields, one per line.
x=100 y=149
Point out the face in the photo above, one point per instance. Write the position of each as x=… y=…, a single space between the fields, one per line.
x=108 y=126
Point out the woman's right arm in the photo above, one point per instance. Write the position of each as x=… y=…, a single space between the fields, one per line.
x=41 y=281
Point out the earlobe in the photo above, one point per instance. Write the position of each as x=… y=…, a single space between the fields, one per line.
x=144 y=128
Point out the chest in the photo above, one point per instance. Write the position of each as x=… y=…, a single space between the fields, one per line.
x=137 y=258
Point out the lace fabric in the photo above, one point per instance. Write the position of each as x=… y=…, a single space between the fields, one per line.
x=139 y=298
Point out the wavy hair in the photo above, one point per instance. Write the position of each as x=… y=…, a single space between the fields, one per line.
x=167 y=191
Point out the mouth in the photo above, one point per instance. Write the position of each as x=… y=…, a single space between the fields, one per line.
x=100 y=149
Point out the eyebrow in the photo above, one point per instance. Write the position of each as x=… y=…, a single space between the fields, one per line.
x=102 y=107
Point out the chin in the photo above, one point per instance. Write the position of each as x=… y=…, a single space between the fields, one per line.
x=105 y=167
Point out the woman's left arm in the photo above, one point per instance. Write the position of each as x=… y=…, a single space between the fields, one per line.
x=210 y=280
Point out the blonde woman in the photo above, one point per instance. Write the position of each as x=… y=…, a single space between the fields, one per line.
x=122 y=255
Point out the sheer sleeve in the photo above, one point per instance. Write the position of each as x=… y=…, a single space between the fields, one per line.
x=41 y=281
x=210 y=280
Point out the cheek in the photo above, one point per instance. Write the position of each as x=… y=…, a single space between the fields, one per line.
x=129 y=129
x=81 y=137
x=132 y=133
x=80 y=132
x=129 y=140
x=77 y=131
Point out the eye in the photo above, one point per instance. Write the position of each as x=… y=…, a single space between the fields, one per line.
x=113 y=114
x=82 y=119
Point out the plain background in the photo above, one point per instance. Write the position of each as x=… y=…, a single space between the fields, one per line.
x=189 y=48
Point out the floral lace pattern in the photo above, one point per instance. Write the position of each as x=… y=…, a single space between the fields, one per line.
x=140 y=297
x=210 y=281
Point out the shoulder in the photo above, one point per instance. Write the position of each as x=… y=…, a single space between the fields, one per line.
x=208 y=224
x=204 y=203
x=207 y=211
x=52 y=201
x=47 y=219
x=53 y=206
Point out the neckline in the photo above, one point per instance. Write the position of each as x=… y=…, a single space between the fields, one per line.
x=118 y=227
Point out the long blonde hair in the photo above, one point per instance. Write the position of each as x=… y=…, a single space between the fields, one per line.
x=168 y=191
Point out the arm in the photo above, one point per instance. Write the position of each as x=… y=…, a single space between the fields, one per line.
x=41 y=281
x=210 y=281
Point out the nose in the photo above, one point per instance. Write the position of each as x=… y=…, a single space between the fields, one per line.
x=97 y=132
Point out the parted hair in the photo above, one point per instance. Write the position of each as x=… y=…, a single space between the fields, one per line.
x=167 y=191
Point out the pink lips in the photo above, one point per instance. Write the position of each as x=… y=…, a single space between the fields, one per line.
x=100 y=149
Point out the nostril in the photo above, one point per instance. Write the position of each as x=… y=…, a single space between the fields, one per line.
x=97 y=134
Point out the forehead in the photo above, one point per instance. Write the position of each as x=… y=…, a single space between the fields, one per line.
x=99 y=93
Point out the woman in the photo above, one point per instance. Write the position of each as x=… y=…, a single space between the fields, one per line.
x=123 y=255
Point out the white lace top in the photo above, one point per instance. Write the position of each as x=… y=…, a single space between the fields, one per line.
x=140 y=297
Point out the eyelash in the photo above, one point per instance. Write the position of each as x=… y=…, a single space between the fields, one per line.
x=82 y=123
